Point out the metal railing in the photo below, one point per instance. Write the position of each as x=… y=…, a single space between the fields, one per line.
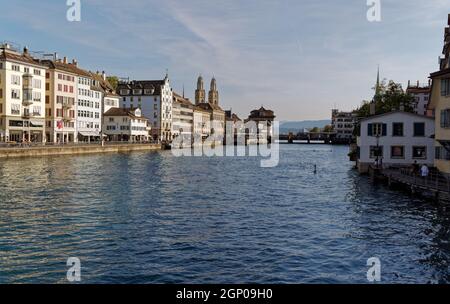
x=433 y=181
x=24 y=145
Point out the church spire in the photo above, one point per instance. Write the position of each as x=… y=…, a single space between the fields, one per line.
x=378 y=87
x=373 y=104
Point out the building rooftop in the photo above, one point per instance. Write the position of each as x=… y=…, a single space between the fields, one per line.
x=395 y=112
x=180 y=99
x=124 y=112
x=6 y=53
x=262 y=113
x=154 y=85
x=210 y=107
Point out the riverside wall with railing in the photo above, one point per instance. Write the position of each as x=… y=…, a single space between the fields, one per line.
x=39 y=150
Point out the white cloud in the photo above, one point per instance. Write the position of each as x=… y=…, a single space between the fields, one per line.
x=296 y=57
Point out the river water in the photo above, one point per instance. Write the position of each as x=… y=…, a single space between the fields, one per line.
x=156 y=218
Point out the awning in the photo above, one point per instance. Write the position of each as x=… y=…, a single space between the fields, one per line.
x=37 y=123
x=87 y=133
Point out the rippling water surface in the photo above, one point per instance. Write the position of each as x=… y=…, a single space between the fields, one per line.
x=155 y=218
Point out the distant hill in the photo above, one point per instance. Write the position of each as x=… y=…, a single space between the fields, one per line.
x=296 y=126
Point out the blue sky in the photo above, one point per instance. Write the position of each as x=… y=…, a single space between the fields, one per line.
x=297 y=57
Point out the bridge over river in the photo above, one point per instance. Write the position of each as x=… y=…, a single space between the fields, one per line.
x=326 y=138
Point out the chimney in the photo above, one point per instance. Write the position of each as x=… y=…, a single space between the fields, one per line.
x=409 y=83
x=372 y=108
x=74 y=62
x=418 y=83
x=449 y=19
x=104 y=75
x=65 y=60
x=25 y=50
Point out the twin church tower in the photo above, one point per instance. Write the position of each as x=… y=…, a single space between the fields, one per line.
x=200 y=93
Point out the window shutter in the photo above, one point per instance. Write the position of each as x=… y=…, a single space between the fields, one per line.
x=369 y=130
x=384 y=130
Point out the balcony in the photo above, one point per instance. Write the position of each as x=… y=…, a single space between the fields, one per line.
x=67 y=117
x=26 y=113
x=27 y=98
x=27 y=82
x=68 y=104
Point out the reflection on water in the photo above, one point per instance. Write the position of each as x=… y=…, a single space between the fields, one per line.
x=154 y=218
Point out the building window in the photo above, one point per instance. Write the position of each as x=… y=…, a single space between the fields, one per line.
x=419 y=152
x=419 y=129
x=398 y=152
x=377 y=129
x=445 y=87
x=442 y=153
x=15 y=79
x=445 y=118
x=376 y=151
x=15 y=109
x=15 y=94
x=397 y=129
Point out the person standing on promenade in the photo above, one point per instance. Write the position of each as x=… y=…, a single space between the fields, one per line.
x=424 y=171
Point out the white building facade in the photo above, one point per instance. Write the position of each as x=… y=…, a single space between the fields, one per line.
x=154 y=98
x=201 y=124
x=89 y=110
x=183 y=117
x=421 y=94
x=343 y=124
x=126 y=125
x=22 y=97
x=395 y=139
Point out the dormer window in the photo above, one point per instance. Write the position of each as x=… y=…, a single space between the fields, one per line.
x=137 y=92
x=124 y=92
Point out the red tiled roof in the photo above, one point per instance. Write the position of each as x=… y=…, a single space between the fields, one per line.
x=18 y=57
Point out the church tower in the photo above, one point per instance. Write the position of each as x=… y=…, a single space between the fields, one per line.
x=200 y=92
x=376 y=98
x=213 y=97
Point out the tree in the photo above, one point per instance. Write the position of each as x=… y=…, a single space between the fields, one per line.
x=328 y=129
x=390 y=97
x=314 y=130
x=113 y=81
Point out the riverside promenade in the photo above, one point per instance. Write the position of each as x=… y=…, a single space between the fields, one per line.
x=18 y=151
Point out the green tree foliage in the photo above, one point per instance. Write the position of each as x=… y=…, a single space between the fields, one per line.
x=390 y=97
x=114 y=81
x=328 y=128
